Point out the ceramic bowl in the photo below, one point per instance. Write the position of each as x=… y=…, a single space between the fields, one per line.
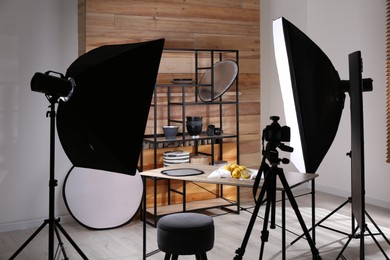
x=194 y=118
x=170 y=131
x=194 y=130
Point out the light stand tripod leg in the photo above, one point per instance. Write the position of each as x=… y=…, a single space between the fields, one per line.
x=29 y=240
x=60 y=244
x=377 y=243
x=294 y=205
x=70 y=240
x=346 y=244
x=354 y=230
x=322 y=220
x=53 y=223
x=377 y=228
x=361 y=236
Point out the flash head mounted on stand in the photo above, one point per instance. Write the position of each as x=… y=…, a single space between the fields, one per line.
x=53 y=84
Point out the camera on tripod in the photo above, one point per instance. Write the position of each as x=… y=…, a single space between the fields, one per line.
x=276 y=133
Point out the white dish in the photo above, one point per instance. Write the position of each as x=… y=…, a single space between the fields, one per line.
x=176 y=157
x=177 y=161
x=174 y=154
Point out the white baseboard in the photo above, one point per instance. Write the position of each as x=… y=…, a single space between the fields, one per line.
x=35 y=223
x=343 y=193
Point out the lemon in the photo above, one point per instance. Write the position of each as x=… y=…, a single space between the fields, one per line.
x=233 y=166
x=242 y=167
x=245 y=174
x=228 y=167
x=236 y=174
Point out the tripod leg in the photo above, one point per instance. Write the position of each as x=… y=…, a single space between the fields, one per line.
x=271 y=195
x=270 y=208
x=241 y=250
x=265 y=232
x=322 y=220
x=346 y=244
x=29 y=239
x=71 y=240
x=294 y=205
x=283 y=225
x=60 y=243
x=376 y=242
x=377 y=228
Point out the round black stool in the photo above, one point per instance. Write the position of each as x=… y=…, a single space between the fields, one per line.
x=185 y=233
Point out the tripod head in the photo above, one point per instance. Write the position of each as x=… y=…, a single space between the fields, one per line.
x=275 y=135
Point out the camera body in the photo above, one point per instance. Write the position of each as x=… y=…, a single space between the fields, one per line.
x=276 y=133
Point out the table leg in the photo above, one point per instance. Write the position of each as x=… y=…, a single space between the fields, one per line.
x=283 y=225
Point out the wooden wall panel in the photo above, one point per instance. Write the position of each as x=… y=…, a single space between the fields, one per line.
x=186 y=24
x=81 y=26
x=209 y=24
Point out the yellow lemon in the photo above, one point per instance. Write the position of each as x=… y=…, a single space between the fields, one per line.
x=245 y=174
x=242 y=167
x=233 y=166
x=227 y=167
x=236 y=174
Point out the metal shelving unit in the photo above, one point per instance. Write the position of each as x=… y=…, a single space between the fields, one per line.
x=180 y=97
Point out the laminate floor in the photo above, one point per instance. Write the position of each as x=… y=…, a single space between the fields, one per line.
x=127 y=242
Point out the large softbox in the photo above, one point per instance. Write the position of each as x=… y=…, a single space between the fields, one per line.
x=313 y=94
x=102 y=125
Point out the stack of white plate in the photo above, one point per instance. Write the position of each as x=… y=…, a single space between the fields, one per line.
x=176 y=157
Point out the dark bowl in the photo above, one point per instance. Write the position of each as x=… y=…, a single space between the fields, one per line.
x=194 y=123
x=194 y=118
x=194 y=129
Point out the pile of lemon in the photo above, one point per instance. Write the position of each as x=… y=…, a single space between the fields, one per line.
x=238 y=171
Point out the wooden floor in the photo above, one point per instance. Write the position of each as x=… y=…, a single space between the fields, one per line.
x=126 y=242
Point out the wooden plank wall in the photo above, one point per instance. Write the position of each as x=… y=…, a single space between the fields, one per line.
x=209 y=24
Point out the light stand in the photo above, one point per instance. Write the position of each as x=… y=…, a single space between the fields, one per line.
x=357 y=86
x=354 y=229
x=274 y=135
x=54 y=223
x=92 y=120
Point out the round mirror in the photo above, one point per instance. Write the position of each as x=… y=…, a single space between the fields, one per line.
x=225 y=72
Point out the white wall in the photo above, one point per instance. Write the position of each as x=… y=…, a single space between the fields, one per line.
x=339 y=28
x=35 y=36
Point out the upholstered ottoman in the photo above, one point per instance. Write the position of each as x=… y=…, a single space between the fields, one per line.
x=185 y=233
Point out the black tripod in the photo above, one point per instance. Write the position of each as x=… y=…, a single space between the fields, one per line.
x=353 y=233
x=269 y=187
x=54 y=223
x=357 y=85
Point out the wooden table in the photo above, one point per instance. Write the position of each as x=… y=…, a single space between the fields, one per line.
x=294 y=179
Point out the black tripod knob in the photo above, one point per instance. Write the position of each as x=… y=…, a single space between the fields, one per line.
x=285 y=161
